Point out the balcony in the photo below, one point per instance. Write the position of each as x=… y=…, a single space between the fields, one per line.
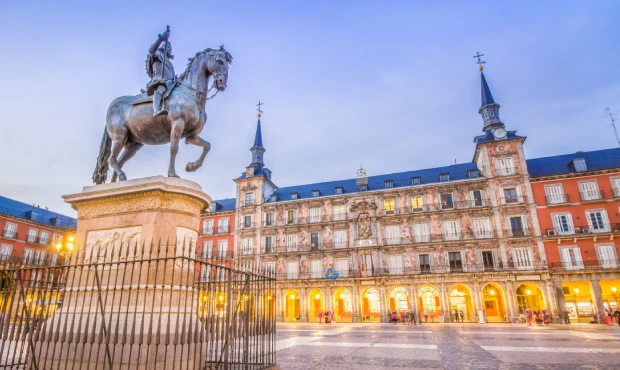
x=518 y=232
x=586 y=265
x=246 y=225
x=223 y=229
x=31 y=238
x=207 y=231
x=268 y=249
x=557 y=199
x=225 y=254
x=616 y=192
x=45 y=240
x=512 y=200
x=11 y=234
x=248 y=203
x=433 y=207
x=338 y=217
x=247 y=250
x=582 y=230
x=592 y=195
x=506 y=171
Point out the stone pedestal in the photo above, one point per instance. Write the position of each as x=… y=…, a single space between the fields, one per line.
x=130 y=299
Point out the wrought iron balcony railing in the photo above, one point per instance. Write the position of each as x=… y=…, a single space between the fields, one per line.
x=582 y=230
x=11 y=234
x=585 y=265
x=592 y=195
x=207 y=230
x=557 y=199
x=518 y=232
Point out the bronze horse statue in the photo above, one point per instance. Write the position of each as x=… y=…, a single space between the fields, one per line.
x=130 y=123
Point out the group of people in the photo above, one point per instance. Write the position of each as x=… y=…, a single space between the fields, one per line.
x=408 y=317
x=539 y=317
x=609 y=316
x=329 y=317
x=459 y=315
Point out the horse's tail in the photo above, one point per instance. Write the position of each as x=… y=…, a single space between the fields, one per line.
x=100 y=174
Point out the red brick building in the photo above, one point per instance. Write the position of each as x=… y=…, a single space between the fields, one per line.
x=216 y=238
x=30 y=233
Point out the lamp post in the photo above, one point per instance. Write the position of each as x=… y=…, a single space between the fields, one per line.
x=65 y=250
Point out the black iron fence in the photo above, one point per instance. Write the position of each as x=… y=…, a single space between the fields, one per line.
x=136 y=307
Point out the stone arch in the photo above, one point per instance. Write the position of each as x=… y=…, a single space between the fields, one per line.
x=399 y=299
x=371 y=305
x=292 y=310
x=316 y=304
x=529 y=295
x=461 y=306
x=494 y=302
x=429 y=302
x=343 y=304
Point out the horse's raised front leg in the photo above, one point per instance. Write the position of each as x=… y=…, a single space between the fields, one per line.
x=198 y=141
x=175 y=136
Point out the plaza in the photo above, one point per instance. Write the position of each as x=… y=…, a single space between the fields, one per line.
x=447 y=346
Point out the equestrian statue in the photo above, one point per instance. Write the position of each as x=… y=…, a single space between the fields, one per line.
x=171 y=108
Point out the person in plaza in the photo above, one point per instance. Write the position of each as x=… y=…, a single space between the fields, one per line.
x=617 y=313
x=161 y=71
x=528 y=316
x=609 y=319
x=565 y=316
x=425 y=316
x=462 y=315
x=456 y=315
x=406 y=317
x=546 y=317
x=402 y=317
x=320 y=317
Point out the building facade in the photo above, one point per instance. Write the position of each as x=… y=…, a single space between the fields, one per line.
x=216 y=239
x=30 y=234
x=578 y=203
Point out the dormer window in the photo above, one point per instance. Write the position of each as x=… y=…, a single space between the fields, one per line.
x=580 y=164
x=444 y=177
x=339 y=190
x=473 y=174
x=316 y=193
x=274 y=198
x=213 y=207
x=389 y=184
x=363 y=187
x=416 y=180
x=294 y=196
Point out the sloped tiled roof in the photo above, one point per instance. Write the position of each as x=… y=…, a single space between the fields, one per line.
x=562 y=164
x=18 y=209
x=225 y=204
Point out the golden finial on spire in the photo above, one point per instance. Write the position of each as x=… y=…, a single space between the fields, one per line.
x=260 y=112
x=479 y=62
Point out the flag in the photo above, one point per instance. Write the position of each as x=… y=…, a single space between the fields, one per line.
x=372 y=265
x=359 y=274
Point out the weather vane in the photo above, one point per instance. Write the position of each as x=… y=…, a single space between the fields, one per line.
x=480 y=62
x=258 y=105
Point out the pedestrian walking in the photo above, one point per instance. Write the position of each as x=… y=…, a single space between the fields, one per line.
x=456 y=315
x=546 y=317
x=320 y=317
x=528 y=317
x=617 y=313
x=462 y=315
x=609 y=320
x=425 y=317
x=538 y=317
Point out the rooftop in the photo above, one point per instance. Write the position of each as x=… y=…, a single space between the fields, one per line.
x=14 y=208
x=563 y=164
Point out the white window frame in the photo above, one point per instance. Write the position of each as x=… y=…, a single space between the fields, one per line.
x=615 y=186
x=509 y=225
x=482 y=198
x=207 y=249
x=291 y=242
x=480 y=260
x=571 y=257
x=269 y=219
x=245 y=224
x=555 y=194
x=56 y=239
x=292 y=270
x=589 y=190
x=223 y=225
x=339 y=239
x=421 y=232
x=339 y=216
x=32 y=235
x=10 y=230
x=453 y=200
x=483 y=228
x=451 y=229
x=608 y=258
x=272 y=244
x=6 y=250
x=28 y=256
x=395 y=264
x=44 y=237
x=288 y=220
x=419 y=207
x=391 y=234
x=505 y=166
x=247 y=246
x=517 y=191
x=222 y=245
x=341 y=265
x=316 y=269
x=604 y=219
x=53 y=259
x=522 y=258
x=563 y=227
x=248 y=198
x=39 y=256
x=207 y=226
x=315 y=214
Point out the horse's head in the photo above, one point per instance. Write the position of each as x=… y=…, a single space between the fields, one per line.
x=217 y=66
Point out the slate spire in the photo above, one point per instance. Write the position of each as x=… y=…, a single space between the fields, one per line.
x=489 y=109
x=487 y=97
x=257 y=149
x=258 y=138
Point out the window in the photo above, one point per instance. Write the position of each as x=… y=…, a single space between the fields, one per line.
x=316 y=193
x=598 y=221
x=315 y=215
x=488 y=259
x=388 y=206
x=364 y=187
x=39 y=257
x=511 y=196
x=473 y=174
x=314 y=240
x=451 y=230
x=207 y=249
x=316 y=269
x=522 y=258
x=447 y=201
x=291 y=243
x=416 y=180
x=425 y=262
x=421 y=234
x=248 y=199
x=270 y=244
x=44 y=237
x=395 y=265
x=505 y=166
x=580 y=164
x=606 y=255
x=292 y=270
x=339 y=190
x=571 y=257
x=615 y=185
x=53 y=259
x=340 y=238
x=389 y=184
x=456 y=263
x=555 y=194
x=392 y=234
x=28 y=255
x=274 y=198
x=5 y=251
x=222 y=226
x=589 y=190
x=247 y=222
x=10 y=230
x=32 y=235
x=291 y=216
x=563 y=223
x=222 y=247
x=342 y=267
x=213 y=207
x=294 y=196
x=207 y=227
x=476 y=198
x=482 y=228
x=444 y=177
x=247 y=246
x=57 y=239
x=516 y=226
x=417 y=204
x=339 y=212
x=269 y=217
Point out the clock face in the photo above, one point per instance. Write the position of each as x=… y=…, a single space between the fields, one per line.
x=499 y=133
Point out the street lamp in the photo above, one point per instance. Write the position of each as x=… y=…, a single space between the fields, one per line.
x=66 y=249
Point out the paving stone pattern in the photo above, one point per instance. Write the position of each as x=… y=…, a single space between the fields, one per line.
x=447 y=346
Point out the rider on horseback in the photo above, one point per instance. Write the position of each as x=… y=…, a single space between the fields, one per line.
x=161 y=84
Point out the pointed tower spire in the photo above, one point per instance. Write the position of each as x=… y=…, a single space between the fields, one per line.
x=489 y=109
x=257 y=149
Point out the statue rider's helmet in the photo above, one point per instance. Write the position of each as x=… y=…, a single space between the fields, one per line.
x=168 y=49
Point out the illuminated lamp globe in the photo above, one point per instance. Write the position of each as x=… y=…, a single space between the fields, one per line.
x=317 y=296
x=576 y=290
x=292 y=296
x=528 y=292
x=613 y=289
x=492 y=292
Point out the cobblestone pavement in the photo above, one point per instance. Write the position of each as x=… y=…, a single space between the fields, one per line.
x=447 y=346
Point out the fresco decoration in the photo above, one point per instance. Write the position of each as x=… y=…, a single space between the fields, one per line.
x=280 y=269
x=406 y=232
x=304 y=244
x=364 y=226
x=326 y=211
x=461 y=195
x=439 y=257
x=431 y=200
x=326 y=237
x=280 y=214
x=328 y=263
x=470 y=257
x=436 y=233
x=409 y=260
x=303 y=266
x=402 y=201
x=303 y=211
x=107 y=244
x=280 y=241
x=466 y=228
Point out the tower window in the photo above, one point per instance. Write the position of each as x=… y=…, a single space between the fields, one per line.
x=416 y=180
x=444 y=177
x=580 y=164
x=316 y=193
x=339 y=190
x=389 y=184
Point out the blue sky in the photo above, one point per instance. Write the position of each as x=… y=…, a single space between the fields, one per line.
x=391 y=85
